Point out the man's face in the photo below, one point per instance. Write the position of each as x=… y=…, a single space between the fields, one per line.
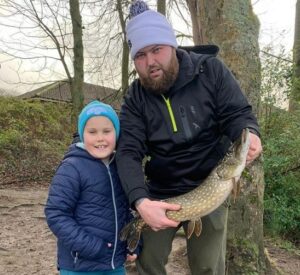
x=157 y=67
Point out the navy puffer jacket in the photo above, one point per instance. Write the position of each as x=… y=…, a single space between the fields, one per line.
x=86 y=209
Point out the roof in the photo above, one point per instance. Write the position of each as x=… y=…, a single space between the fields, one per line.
x=60 y=92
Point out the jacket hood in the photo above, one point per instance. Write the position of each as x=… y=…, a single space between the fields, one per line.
x=191 y=59
x=202 y=49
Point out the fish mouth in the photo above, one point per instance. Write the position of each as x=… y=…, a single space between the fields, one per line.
x=242 y=145
x=245 y=134
x=245 y=141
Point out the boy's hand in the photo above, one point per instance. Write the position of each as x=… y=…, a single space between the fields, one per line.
x=131 y=257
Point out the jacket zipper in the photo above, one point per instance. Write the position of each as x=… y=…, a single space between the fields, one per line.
x=169 y=107
x=185 y=123
x=75 y=258
x=116 y=217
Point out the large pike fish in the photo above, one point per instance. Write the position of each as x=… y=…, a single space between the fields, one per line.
x=205 y=198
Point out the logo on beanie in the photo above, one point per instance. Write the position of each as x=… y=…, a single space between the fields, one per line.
x=129 y=44
x=96 y=111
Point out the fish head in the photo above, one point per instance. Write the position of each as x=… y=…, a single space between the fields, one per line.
x=234 y=161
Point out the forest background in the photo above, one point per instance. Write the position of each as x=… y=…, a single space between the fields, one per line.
x=34 y=135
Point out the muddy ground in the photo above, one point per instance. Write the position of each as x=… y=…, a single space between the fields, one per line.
x=28 y=247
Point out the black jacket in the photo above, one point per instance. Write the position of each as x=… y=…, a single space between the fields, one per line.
x=209 y=111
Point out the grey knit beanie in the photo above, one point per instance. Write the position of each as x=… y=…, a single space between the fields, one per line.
x=147 y=27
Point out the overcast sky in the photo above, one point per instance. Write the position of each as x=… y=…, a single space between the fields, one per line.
x=277 y=18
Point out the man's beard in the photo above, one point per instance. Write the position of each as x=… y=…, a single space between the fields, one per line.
x=165 y=82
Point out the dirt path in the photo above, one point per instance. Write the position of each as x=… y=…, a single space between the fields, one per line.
x=26 y=244
x=28 y=247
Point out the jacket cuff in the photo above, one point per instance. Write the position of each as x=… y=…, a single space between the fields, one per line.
x=254 y=130
x=136 y=194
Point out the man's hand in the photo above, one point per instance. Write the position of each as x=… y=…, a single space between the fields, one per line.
x=255 y=148
x=154 y=213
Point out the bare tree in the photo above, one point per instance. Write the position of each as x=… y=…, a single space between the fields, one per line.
x=197 y=12
x=43 y=32
x=44 y=37
x=125 y=51
x=76 y=83
x=41 y=36
x=233 y=26
x=161 y=6
x=89 y=37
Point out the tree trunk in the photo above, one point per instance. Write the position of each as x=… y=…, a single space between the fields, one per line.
x=233 y=26
x=161 y=6
x=295 y=97
x=76 y=83
x=125 y=51
x=196 y=8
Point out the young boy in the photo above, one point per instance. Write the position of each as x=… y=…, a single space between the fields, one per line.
x=86 y=206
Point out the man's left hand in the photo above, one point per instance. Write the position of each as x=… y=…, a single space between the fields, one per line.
x=255 y=148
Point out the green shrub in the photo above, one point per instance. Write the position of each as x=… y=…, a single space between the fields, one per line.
x=282 y=175
x=281 y=142
x=33 y=138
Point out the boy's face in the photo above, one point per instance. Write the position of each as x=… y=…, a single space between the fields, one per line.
x=99 y=137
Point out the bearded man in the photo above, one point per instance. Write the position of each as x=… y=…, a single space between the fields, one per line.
x=181 y=114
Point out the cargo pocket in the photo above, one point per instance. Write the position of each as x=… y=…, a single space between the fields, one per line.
x=218 y=218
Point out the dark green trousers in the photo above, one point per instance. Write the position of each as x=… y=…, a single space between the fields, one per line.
x=206 y=254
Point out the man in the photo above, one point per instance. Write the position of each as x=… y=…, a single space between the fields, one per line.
x=182 y=113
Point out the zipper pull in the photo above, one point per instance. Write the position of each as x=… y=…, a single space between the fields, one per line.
x=182 y=111
x=76 y=258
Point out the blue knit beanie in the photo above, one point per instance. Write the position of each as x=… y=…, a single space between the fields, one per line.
x=97 y=108
x=147 y=27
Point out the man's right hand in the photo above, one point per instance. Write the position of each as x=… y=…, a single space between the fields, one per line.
x=154 y=213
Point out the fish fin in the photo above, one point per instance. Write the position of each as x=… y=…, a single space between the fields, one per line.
x=132 y=233
x=234 y=189
x=190 y=228
x=136 y=223
x=198 y=227
x=125 y=231
x=133 y=240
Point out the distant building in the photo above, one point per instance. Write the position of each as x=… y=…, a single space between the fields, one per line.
x=60 y=92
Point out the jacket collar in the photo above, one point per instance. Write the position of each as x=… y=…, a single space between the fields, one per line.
x=189 y=67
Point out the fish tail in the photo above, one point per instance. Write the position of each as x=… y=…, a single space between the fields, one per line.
x=133 y=240
x=125 y=231
x=132 y=233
